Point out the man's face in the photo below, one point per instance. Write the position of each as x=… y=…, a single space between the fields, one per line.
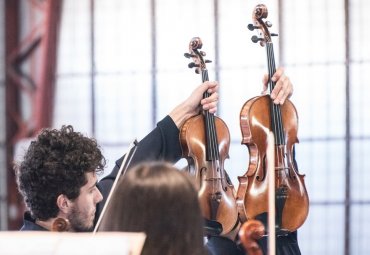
x=81 y=216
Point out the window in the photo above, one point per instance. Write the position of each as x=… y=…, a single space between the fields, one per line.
x=112 y=87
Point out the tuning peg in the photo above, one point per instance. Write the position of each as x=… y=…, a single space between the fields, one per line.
x=202 y=53
x=256 y=39
x=188 y=55
x=192 y=64
x=207 y=61
x=251 y=27
x=274 y=34
x=268 y=23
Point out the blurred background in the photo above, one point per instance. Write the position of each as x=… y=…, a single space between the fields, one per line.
x=113 y=68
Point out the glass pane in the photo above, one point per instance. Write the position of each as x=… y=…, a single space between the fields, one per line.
x=73 y=103
x=360 y=103
x=360 y=229
x=323 y=231
x=75 y=38
x=123 y=36
x=313 y=31
x=360 y=174
x=123 y=108
x=359 y=32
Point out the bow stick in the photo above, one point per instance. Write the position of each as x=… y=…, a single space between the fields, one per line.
x=121 y=171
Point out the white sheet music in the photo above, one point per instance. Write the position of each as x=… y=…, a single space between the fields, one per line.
x=55 y=243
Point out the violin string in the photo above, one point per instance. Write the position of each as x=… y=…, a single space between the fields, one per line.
x=271 y=83
x=276 y=111
x=210 y=141
x=280 y=123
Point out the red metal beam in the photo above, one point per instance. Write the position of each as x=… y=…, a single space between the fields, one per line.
x=12 y=106
x=44 y=99
x=40 y=46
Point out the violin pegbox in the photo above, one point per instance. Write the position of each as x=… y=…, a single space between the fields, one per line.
x=264 y=36
x=197 y=55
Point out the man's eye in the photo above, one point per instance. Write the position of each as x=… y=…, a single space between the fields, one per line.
x=93 y=189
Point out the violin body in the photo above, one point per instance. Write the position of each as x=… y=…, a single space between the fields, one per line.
x=216 y=194
x=255 y=123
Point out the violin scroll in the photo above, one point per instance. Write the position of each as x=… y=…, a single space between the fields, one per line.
x=60 y=225
x=197 y=55
x=249 y=233
x=260 y=12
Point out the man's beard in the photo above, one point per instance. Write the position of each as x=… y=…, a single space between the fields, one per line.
x=78 y=222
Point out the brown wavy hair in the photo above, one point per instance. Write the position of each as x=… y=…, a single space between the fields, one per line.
x=158 y=199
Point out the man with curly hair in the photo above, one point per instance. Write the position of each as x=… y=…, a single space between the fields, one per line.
x=57 y=179
x=58 y=175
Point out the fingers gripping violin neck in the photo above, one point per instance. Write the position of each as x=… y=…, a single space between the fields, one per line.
x=205 y=142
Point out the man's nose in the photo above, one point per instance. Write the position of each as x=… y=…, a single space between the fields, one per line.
x=99 y=197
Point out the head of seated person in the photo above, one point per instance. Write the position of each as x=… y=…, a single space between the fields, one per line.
x=158 y=199
x=57 y=178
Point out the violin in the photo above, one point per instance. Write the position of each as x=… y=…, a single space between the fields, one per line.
x=205 y=142
x=259 y=116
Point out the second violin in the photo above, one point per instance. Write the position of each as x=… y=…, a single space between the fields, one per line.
x=258 y=117
x=205 y=142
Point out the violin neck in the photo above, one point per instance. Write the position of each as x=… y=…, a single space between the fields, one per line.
x=270 y=64
x=276 y=120
x=204 y=79
x=212 y=152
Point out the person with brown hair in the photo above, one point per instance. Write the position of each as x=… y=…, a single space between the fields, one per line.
x=158 y=199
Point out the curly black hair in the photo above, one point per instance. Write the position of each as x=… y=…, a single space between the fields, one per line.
x=54 y=164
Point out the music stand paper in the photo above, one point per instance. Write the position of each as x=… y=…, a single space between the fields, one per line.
x=55 y=243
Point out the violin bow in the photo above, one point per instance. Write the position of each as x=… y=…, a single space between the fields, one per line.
x=270 y=154
x=122 y=170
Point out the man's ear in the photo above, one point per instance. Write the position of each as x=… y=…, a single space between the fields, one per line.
x=63 y=203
